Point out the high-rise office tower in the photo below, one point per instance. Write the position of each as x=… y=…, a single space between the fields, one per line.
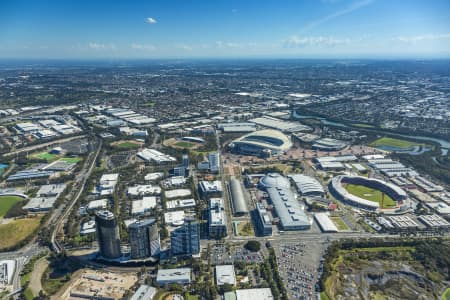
x=144 y=238
x=107 y=234
x=186 y=238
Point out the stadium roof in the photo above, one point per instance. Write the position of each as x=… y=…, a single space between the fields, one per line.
x=266 y=139
x=307 y=185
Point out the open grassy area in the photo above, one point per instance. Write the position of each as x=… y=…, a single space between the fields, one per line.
x=183 y=144
x=340 y=224
x=362 y=125
x=17 y=230
x=126 y=145
x=72 y=159
x=370 y=194
x=393 y=142
x=6 y=202
x=45 y=156
x=245 y=229
x=191 y=297
x=446 y=294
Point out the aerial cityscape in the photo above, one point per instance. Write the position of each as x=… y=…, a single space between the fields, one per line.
x=229 y=150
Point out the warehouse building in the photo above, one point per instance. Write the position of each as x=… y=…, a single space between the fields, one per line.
x=237 y=197
x=325 y=223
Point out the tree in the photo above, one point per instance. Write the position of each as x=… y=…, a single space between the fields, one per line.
x=224 y=288
x=253 y=246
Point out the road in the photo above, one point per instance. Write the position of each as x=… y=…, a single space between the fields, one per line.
x=44 y=145
x=78 y=187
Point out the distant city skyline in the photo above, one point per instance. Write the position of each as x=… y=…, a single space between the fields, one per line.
x=224 y=29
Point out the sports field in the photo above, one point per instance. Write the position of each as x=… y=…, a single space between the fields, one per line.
x=370 y=194
x=73 y=160
x=184 y=144
x=17 y=230
x=45 y=155
x=6 y=202
x=393 y=142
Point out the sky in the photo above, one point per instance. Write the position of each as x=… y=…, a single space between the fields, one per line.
x=94 y=29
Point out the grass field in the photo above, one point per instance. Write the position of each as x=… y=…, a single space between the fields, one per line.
x=245 y=229
x=393 y=142
x=183 y=144
x=17 y=230
x=45 y=155
x=446 y=294
x=72 y=159
x=6 y=202
x=362 y=125
x=340 y=224
x=370 y=194
x=125 y=145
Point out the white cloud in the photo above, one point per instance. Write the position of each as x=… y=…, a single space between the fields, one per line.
x=315 y=41
x=143 y=47
x=349 y=9
x=184 y=47
x=100 y=46
x=221 y=45
x=420 y=38
x=150 y=20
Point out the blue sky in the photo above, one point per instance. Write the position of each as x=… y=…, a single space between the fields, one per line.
x=213 y=28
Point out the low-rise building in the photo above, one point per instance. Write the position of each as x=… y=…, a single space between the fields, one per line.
x=179 y=276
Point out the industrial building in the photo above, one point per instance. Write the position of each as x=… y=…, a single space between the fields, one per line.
x=225 y=275
x=45 y=198
x=144 y=239
x=143 y=189
x=95 y=205
x=287 y=207
x=144 y=205
x=307 y=185
x=237 y=197
x=236 y=127
x=152 y=155
x=210 y=188
x=179 y=276
x=434 y=221
x=263 y=222
x=325 y=223
x=107 y=184
x=217 y=225
x=178 y=193
x=144 y=292
x=278 y=124
x=180 y=204
x=185 y=240
x=262 y=143
x=254 y=294
x=107 y=234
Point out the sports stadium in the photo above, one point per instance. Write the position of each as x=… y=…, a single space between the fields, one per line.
x=366 y=193
x=262 y=142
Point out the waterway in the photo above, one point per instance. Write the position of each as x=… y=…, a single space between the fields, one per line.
x=444 y=144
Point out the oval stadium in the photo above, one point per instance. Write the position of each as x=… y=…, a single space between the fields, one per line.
x=366 y=193
x=257 y=143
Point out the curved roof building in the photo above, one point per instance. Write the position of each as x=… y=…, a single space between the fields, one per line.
x=258 y=142
x=287 y=207
x=237 y=196
x=307 y=185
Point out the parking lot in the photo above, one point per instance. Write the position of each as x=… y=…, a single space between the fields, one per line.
x=222 y=255
x=298 y=266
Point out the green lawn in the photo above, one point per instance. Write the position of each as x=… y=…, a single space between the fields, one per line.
x=45 y=155
x=192 y=297
x=72 y=159
x=17 y=230
x=324 y=296
x=370 y=194
x=446 y=294
x=184 y=144
x=6 y=202
x=393 y=142
x=362 y=125
x=127 y=145
x=340 y=224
